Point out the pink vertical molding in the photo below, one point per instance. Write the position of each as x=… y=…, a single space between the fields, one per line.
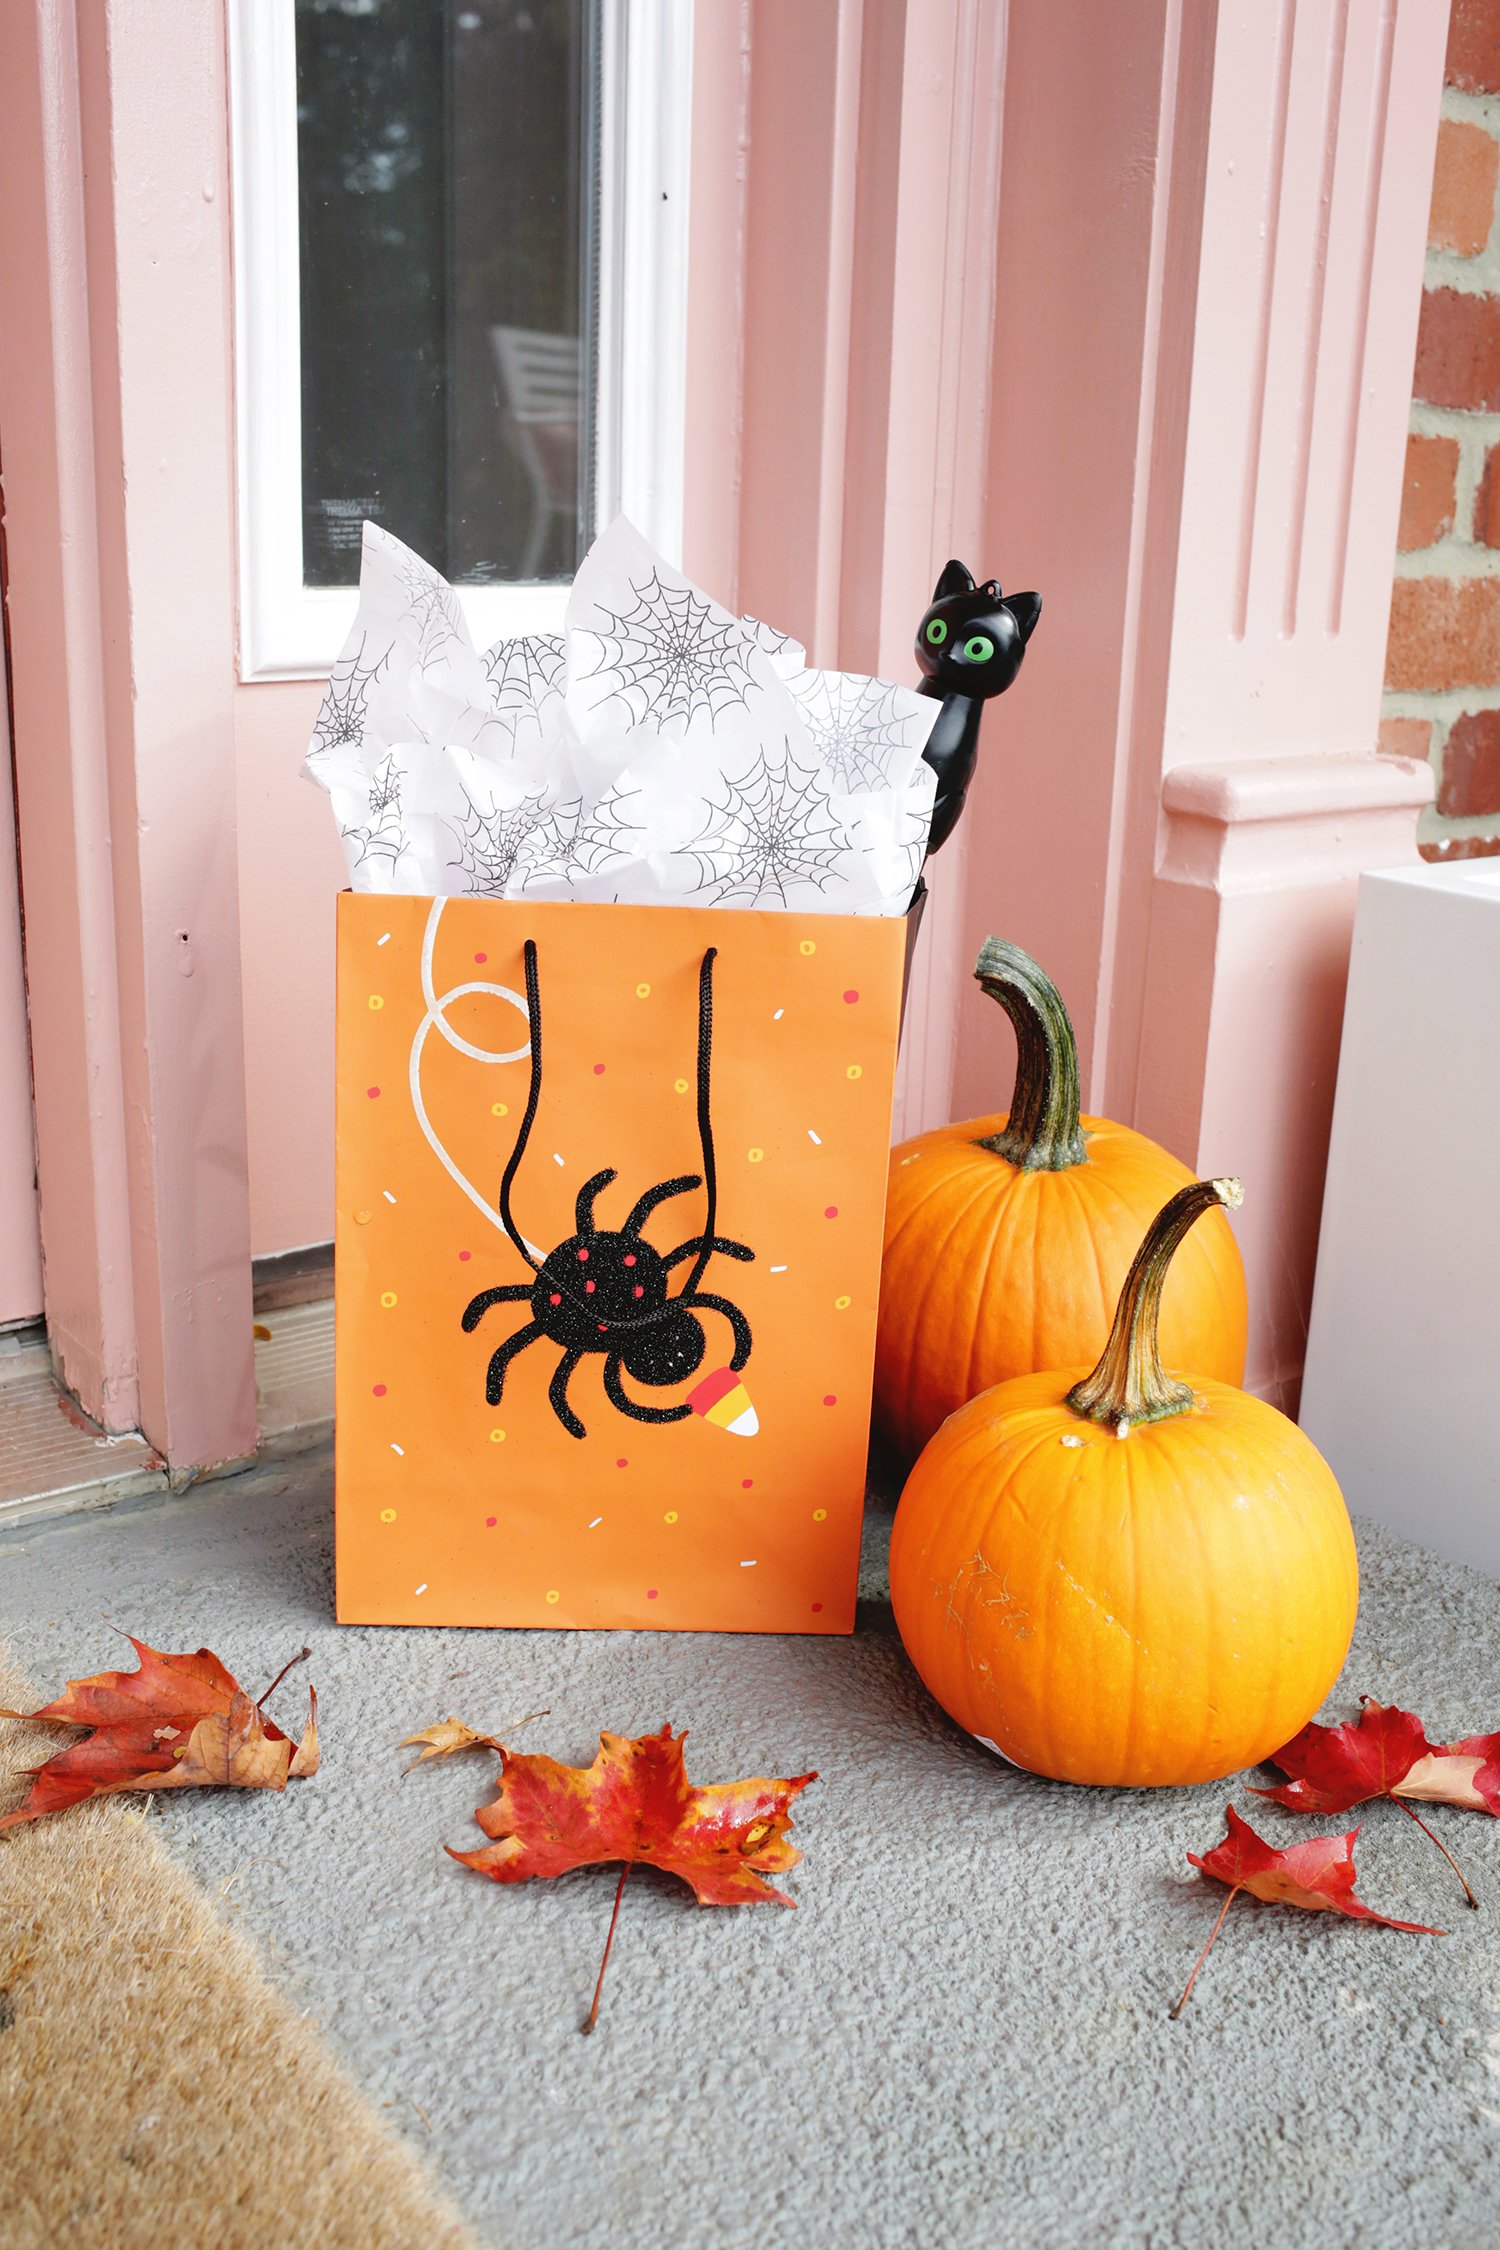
x=114 y=415
x=846 y=187
x=20 y=1241
x=61 y=748
x=1320 y=153
x=1198 y=432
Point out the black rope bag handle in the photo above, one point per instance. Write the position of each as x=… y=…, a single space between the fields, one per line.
x=705 y=1115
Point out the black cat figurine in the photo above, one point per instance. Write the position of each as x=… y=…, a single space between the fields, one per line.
x=969 y=646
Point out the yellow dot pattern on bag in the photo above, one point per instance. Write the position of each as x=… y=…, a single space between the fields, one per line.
x=680 y=1086
x=854 y=1071
x=807 y=947
x=842 y=1304
x=376 y=1001
x=820 y=1515
x=553 y=1595
x=388 y=1298
x=497 y=1437
x=387 y=1515
x=670 y=1516
x=642 y=992
x=500 y=1109
x=757 y=1155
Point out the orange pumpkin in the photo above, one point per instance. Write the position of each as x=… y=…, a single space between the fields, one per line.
x=1117 y=1577
x=1007 y=1238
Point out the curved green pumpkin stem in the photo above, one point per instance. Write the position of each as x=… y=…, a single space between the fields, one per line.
x=1129 y=1384
x=1042 y=1132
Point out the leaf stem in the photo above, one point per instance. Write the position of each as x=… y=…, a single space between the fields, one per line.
x=1432 y=1838
x=593 y=2015
x=1174 y=2013
x=281 y=1675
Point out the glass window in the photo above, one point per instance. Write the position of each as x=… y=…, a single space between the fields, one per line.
x=447 y=191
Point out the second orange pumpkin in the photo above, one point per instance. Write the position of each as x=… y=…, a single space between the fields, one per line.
x=1008 y=1238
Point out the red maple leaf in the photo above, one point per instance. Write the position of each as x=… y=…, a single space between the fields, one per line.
x=179 y=1722
x=1386 y=1753
x=636 y=1804
x=1318 y=1875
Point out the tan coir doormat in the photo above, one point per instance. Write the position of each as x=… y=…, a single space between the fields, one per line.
x=154 y=2089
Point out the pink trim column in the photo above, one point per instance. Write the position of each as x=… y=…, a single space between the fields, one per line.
x=846 y=179
x=1199 y=431
x=20 y=1243
x=114 y=261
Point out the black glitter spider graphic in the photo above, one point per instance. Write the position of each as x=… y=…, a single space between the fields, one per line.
x=671 y=657
x=608 y=1290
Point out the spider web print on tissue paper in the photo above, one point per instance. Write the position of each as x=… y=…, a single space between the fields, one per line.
x=856 y=724
x=341 y=715
x=771 y=831
x=503 y=852
x=433 y=609
x=383 y=836
x=525 y=675
x=670 y=658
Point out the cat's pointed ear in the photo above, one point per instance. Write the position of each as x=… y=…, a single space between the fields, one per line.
x=955 y=580
x=1025 y=609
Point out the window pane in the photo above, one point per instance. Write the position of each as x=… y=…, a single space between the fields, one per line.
x=446 y=161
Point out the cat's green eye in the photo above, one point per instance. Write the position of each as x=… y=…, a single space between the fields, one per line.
x=980 y=649
x=937 y=632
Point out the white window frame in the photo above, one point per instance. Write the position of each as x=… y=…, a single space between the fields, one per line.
x=291 y=631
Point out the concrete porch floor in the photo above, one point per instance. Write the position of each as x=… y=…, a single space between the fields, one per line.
x=960 y=2037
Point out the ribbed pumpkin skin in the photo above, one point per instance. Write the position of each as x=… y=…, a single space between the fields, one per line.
x=1158 y=1609
x=990 y=1273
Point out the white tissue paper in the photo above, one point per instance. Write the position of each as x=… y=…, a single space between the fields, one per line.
x=658 y=750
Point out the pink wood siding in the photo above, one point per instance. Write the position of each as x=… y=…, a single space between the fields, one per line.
x=20 y=1242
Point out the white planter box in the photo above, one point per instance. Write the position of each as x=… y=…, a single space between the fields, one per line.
x=1402 y=1388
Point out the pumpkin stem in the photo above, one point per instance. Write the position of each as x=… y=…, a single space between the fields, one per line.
x=1129 y=1384
x=1042 y=1132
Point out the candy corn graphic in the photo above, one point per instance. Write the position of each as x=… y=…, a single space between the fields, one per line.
x=722 y=1398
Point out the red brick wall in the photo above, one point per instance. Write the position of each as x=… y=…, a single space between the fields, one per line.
x=1442 y=695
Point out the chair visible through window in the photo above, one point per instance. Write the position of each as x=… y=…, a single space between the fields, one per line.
x=540 y=381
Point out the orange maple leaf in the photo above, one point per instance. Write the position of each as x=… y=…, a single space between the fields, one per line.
x=178 y=1722
x=1318 y=1875
x=636 y=1804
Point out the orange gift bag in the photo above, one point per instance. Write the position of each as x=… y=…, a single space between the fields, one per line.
x=610 y=1191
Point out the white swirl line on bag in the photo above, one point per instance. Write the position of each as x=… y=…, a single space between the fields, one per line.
x=435 y=1015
